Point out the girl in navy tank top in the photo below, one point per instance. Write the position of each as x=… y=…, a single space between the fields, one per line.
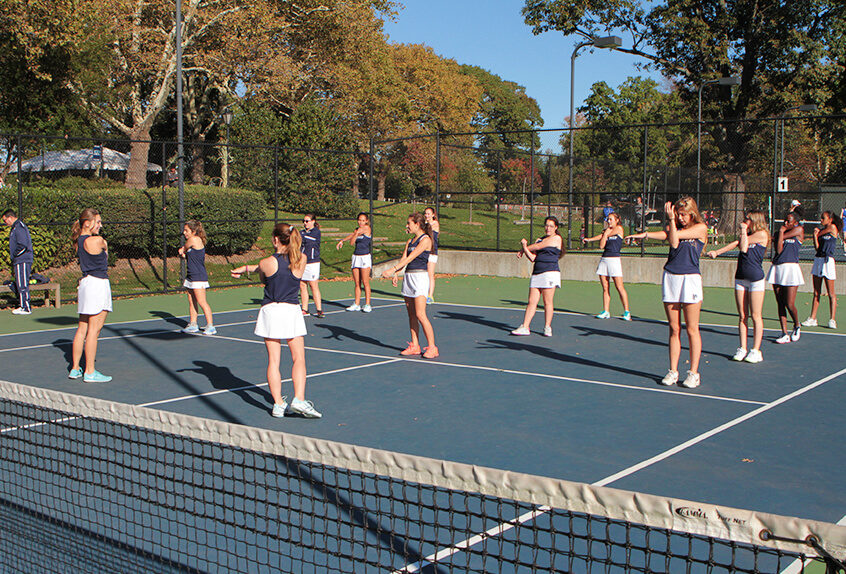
x=682 y=283
x=435 y=226
x=311 y=248
x=415 y=285
x=546 y=275
x=362 y=239
x=280 y=318
x=611 y=243
x=825 y=242
x=196 y=278
x=785 y=274
x=749 y=284
x=94 y=295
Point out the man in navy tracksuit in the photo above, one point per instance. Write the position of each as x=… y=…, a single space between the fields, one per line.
x=21 y=254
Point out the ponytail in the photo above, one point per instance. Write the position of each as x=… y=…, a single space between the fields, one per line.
x=87 y=214
x=290 y=237
x=197 y=228
x=420 y=220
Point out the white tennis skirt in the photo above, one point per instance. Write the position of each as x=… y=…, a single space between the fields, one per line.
x=610 y=267
x=433 y=258
x=195 y=284
x=685 y=288
x=751 y=286
x=312 y=272
x=548 y=280
x=415 y=284
x=280 y=321
x=94 y=295
x=361 y=262
x=824 y=267
x=786 y=274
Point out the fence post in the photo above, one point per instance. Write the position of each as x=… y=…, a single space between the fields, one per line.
x=370 y=186
x=275 y=184
x=20 y=181
x=437 y=172
x=645 y=169
x=497 y=191
x=775 y=179
x=532 y=188
x=548 y=185
x=164 y=217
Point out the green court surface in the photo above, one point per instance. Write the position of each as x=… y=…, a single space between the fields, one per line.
x=574 y=296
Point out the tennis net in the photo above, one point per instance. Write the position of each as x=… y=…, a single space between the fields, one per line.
x=88 y=485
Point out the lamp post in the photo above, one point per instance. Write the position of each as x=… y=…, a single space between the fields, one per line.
x=607 y=42
x=224 y=170
x=726 y=81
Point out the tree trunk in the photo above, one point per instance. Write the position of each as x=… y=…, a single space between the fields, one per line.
x=355 y=183
x=139 y=151
x=198 y=164
x=381 y=177
x=732 y=203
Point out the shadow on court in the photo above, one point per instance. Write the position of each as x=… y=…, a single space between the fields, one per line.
x=340 y=333
x=222 y=378
x=169 y=318
x=58 y=321
x=522 y=305
x=475 y=319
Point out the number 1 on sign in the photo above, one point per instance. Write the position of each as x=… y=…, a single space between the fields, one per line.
x=782 y=184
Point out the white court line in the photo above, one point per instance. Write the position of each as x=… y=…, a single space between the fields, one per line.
x=504 y=527
x=210 y=393
x=798 y=566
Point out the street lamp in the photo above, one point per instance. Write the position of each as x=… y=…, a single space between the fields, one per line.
x=224 y=171
x=726 y=81
x=606 y=42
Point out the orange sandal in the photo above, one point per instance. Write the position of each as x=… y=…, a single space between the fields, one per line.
x=411 y=349
x=431 y=352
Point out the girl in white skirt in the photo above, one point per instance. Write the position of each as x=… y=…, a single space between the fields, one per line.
x=415 y=284
x=280 y=318
x=311 y=275
x=785 y=275
x=362 y=239
x=610 y=268
x=546 y=275
x=196 y=278
x=94 y=294
x=749 y=284
x=823 y=270
x=682 y=283
x=435 y=226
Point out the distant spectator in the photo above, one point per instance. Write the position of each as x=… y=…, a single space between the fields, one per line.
x=607 y=210
x=793 y=205
x=172 y=177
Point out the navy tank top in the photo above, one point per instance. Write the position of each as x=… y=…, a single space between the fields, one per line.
x=789 y=252
x=827 y=245
x=362 y=245
x=750 y=265
x=94 y=265
x=311 y=244
x=546 y=259
x=195 y=262
x=435 y=242
x=420 y=262
x=282 y=286
x=684 y=259
x=613 y=246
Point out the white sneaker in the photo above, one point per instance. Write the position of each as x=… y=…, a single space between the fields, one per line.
x=794 y=336
x=784 y=339
x=809 y=322
x=671 y=378
x=604 y=315
x=739 y=355
x=832 y=324
x=547 y=331
x=304 y=408
x=367 y=308
x=279 y=410
x=691 y=381
x=21 y=311
x=353 y=307
x=191 y=328
x=754 y=356
x=521 y=330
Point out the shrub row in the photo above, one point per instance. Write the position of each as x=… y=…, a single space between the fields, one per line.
x=134 y=220
x=45 y=245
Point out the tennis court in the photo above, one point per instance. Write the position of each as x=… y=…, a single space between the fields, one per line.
x=582 y=406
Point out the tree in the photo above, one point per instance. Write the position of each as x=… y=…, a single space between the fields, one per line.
x=693 y=41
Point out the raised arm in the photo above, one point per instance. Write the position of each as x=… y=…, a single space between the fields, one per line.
x=716 y=252
x=662 y=235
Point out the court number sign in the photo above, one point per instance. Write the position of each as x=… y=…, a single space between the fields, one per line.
x=782 y=184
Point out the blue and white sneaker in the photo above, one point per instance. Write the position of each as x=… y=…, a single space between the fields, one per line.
x=210 y=330
x=604 y=315
x=75 y=374
x=191 y=328
x=304 y=408
x=627 y=316
x=96 y=377
x=279 y=409
x=367 y=309
x=354 y=307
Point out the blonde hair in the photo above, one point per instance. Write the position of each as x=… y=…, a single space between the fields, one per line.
x=197 y=229
x=289 y=236
x=759 y=221
x=87 y=214
x=688 y=205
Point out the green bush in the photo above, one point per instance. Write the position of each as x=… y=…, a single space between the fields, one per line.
x=132 y=219
x=45 y=245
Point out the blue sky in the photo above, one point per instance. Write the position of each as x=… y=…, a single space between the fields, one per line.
x=491 y=34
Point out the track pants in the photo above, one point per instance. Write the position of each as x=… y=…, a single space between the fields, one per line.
x=21 y=286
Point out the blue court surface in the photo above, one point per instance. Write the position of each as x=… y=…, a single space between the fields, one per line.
x=583 y=405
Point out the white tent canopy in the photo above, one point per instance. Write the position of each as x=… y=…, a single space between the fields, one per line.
x=91 y=159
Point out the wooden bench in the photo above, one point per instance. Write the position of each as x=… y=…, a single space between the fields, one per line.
x=46 y=287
